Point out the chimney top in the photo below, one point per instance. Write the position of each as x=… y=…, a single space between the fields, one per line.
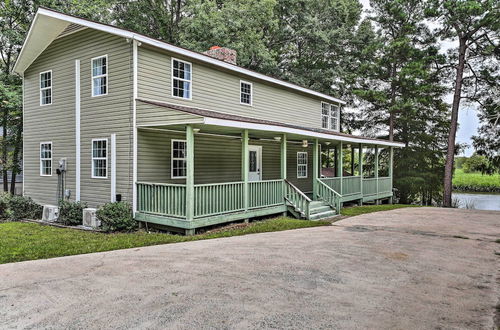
x=222 y=53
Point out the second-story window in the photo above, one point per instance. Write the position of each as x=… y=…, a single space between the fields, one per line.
x=245 y=93
x=330 y=116
x=181 y=79
x=46 y=88
x=100 y=75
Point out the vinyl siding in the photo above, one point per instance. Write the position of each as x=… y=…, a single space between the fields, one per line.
x=217 y=90
x=216 y=159
x=100 y=116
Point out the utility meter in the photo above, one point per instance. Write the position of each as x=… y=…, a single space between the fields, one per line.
x=62 y=164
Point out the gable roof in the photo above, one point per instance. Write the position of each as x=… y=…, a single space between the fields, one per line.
x=49 y=24
x=273 y=125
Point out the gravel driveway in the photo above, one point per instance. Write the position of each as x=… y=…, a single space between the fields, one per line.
x=403 y=269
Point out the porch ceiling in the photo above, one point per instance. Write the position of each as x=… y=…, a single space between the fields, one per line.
x=232 y=125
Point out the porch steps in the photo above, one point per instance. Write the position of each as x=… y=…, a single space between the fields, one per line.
x=320 y=210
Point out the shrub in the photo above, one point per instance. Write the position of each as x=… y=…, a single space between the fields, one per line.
x=116 y=217
x=71 y=213
x=4 y=206
x=21 y=207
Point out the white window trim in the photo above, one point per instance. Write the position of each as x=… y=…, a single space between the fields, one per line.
x=99 y=76
x=251 y=93
x=335 y=129
x=51 y=157
x=172 y=158
x=306 y=164
x=188 y=80
x=92 y=158
x=51 y=90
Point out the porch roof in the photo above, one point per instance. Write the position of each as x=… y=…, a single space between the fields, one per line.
x=215 y=118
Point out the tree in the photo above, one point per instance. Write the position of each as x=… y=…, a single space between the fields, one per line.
x=474 y=24
x=401 y=96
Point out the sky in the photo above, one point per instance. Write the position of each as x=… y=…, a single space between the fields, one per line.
x=467 y=117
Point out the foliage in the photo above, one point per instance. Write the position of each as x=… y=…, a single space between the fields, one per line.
x=116 y=217
x=71 y=213
x=477 y=163
x=475 y=182
x=29 y=241
x=358 y=210
x=4 y=206
x=22 y=207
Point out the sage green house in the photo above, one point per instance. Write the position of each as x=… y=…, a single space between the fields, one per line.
x=189 y=139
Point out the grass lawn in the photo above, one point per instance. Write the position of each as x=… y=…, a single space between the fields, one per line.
x=357 y=210
x=476 y=182
x=20 y=241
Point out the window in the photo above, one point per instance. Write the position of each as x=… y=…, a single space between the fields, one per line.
x=100 y=158
x=179 y=159
x=301 y=165
x=330 y=116
x=181 y=79
x=245 y=93
x=46 y=158
x=100 y=75
x=46 y=88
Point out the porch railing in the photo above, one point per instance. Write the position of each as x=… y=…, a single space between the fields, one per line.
x=333 y=183
x=384 y=185
x=162 y=199
x=265 y=193
x=369 y=186
x=330 y=196
x=217 y=198
x=351 y=185
x=297 y=199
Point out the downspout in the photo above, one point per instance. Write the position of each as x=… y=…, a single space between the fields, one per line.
x=135 y=44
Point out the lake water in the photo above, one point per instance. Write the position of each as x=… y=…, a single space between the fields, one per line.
x=480 y=201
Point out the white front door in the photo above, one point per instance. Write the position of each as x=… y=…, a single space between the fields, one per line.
x=255 y=163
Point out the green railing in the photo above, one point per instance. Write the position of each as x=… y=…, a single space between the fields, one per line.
x=218 y=198
x=351 y=185
x=162 y=199
x=265 y=193
x=384 y=185
x=297 y=199
x=333 y=183
x=330 y=196
x=369 y=186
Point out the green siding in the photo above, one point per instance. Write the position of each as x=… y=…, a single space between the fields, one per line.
x=100 y=116
x=217 y=90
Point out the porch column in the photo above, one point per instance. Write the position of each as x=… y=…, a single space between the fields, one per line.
x=391 y=164
x=352 y=160
x=376 y=169
x=189 y=173
x=340 y=165
x=315 y=168
x=244 y=167
x=361 y=173
x=283 y=157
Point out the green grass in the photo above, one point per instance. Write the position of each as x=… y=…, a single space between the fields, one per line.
x=357 y=210
x=476 y=182
x=20 y=241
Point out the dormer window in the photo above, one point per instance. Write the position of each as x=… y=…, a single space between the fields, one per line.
x=330 y=116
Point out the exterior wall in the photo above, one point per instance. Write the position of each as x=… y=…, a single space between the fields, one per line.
x=100 y=116
x=216 y=90
x=217 y=159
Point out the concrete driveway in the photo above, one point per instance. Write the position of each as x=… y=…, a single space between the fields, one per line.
x=403 y=269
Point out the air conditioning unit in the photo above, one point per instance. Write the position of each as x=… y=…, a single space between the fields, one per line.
x=90 y=219
x=50 y=213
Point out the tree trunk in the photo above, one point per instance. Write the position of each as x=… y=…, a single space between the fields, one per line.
x=4 y=155
x=15 y=158
x=450 y=155
x=393 y=101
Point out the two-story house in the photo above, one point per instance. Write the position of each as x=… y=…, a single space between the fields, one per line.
x=189 y=139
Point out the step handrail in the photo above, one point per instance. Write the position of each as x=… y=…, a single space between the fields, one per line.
x=298 y=191
x=297 y=199
x=334 y=200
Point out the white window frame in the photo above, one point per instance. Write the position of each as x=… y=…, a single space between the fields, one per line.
x=306 y=165
x=99 y=158
x=251 y=93
x=45 y=88
x=41 y=159
x=172 y=78
x=329 y=116
x=176 y=158
x=99 y=76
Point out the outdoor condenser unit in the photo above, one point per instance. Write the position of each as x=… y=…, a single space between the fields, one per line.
x=50 y=213
x=90 y=219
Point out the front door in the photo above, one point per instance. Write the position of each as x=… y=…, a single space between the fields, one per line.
x=255 y=163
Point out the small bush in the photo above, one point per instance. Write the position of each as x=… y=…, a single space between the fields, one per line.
x=4 y=206
x=116 y=217
x=71 y=213
x=21 y=207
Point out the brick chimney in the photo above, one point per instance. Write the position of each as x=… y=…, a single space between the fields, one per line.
x=222 y=53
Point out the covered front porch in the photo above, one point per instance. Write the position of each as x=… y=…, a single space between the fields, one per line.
x=198 y=171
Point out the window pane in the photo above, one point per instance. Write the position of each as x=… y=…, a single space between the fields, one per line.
x=99 y=66
x=253 y=161
x=324 y=108
x=324 y=121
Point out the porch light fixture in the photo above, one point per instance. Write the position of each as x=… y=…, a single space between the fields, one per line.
x=327 y=143
x=277 y=138
x=196 y=130
x=304 y=143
